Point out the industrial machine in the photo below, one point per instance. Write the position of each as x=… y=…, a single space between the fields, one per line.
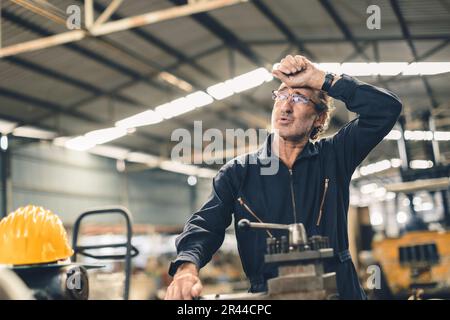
x=35 y=248
x=300 y=262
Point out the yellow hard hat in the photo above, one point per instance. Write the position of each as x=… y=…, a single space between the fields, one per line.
x=32 y=235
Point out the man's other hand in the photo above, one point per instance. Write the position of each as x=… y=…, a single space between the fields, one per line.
x=186 y=284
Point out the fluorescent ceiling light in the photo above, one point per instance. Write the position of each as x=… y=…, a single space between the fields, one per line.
x=386 y=68
x=330 y=67
x=199 y=99
x=393 y=135
x=249 y=80
x=421 y=164
x=359 y=69
x=375 y=167
x=80 y=143
x=105 y=135
x=7 y=126
x=220 y=91
x=174 y=108
x=371 y=68
x=427 y=68
x=141 y=119
x=35 y=133
x=395 y=163
x=110 y=152
x=442 y=135
x=389 y=68
x=418 y=135
x=267 y=75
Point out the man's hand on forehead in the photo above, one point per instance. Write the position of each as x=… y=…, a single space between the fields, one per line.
x=292 y=65
x=297 y=72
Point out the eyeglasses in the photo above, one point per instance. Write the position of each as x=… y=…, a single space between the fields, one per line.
x=296 y=97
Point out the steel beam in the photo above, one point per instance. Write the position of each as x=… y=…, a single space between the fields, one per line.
x=88 y=13
x=42 y=43
x=73 y=82
x=56 y=108
x=424 y=56
x=283 y=28
x=101 y=59
x=43 y=8
x=223 y=33
x=145 y=35
x=405 y=31
x=82 y=50
x=113 y=6
x=115 y=26
x=161 y=15
x=326 y=4
x=44 y=105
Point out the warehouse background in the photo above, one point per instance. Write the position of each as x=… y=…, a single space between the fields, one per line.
x=51 y=95
x=70 y=182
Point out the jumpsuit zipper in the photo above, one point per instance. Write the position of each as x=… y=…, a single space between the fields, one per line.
x=325 y=188
x=293 y=197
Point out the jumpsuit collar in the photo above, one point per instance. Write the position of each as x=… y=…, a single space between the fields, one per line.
x=265 y=152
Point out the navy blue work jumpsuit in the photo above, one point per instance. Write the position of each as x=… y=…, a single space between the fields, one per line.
x=320 y=176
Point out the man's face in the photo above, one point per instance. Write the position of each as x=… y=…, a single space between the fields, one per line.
x=294 y=120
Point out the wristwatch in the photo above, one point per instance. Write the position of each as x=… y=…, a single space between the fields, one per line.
x=329 y=77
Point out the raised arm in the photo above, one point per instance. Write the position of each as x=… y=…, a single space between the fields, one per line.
x=378 y=110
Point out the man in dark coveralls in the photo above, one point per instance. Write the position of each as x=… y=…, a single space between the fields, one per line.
x=311 y=185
